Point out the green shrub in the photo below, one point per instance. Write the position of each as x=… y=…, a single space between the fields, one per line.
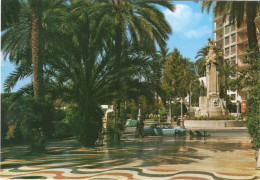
x=112 y=127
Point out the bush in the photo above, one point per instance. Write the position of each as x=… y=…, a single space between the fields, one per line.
x=112 y=127
x=32 y=120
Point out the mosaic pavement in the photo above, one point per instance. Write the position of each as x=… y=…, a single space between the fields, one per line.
x=152 y=158
x=40 y=172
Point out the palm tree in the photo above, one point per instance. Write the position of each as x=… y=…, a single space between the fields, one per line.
x=10 y=11
x=236 y=11
x=226 y=70
x=200 y=63
x=139 y=21
x=23 y=42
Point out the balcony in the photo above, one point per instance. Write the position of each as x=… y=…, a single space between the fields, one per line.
x=217 y=29
x=217 y=18
x=219 y=40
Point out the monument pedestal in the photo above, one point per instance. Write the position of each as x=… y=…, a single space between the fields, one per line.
x=211 y=106
x=215 y=106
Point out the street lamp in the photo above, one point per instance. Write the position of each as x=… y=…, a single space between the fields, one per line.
x=182 y=123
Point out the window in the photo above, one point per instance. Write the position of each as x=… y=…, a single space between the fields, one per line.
x=233 y=38
x=233 y=61
x=233 y=49
x=227 y=52
x=226 y=40
x=233 y=97
x=227 y=29
x=233 y=27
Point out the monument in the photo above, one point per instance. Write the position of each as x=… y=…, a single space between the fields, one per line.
x=212 y=104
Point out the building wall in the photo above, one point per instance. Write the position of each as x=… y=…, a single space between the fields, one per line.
x=234 y=43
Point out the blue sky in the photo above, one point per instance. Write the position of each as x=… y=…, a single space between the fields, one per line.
x=191 y=30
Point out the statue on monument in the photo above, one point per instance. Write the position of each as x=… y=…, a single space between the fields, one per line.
x=211 y=57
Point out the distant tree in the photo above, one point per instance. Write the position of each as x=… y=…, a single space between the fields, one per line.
x=178 y=75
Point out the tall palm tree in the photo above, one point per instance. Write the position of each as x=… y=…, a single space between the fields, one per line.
x=236 y=11
x=139 y=21
x=200 y=63
x=23 y=42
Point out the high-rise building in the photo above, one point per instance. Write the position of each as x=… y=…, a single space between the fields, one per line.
x=234 y=43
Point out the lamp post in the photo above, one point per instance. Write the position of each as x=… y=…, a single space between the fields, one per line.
x=182 y=123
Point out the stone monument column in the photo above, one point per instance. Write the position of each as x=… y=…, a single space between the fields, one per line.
x=211 y=105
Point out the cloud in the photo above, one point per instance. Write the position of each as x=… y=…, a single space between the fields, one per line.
x=186 y=22
x=182 y=18
x=200 y=32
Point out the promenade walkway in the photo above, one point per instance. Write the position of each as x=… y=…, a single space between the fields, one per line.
x=150 y=158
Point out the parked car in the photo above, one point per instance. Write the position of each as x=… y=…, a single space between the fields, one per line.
x=163 y=129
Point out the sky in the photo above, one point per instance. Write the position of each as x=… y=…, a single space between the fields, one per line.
x=191 y=30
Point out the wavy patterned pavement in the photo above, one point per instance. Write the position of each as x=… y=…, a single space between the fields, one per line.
x=38 y=172
x=152 y=158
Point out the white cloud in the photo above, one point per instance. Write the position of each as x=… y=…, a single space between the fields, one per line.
x=182 y=18
x=200 y=32
x=185 y=21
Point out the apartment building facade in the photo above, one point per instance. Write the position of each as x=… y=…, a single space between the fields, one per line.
x=234 y=43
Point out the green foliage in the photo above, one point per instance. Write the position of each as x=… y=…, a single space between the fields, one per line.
x=164 y=113
x=176 y=109
x=115 y=126
x=8 y=117
x=252 y=79
x=61 y=125
x=214 y=118
x=33 y=121
x=86 y=125
x=93 y=52
x=37 y=123
x=252 y=121
x=178 y=75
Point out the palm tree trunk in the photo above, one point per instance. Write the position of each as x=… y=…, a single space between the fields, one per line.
x=251 y=13
x=118 y=41
x=36 y=6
